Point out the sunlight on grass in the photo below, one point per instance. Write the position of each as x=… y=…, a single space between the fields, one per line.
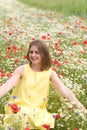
x=68 y=7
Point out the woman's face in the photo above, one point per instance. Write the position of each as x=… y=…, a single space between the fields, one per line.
x=34 y=55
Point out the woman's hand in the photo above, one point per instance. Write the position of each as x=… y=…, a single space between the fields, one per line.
x=67 y=93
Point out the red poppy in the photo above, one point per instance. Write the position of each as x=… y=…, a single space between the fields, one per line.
x=1 y=71
x=57 y=116
x=8 y=56
x=59 y=33
x=33 y=38
x=11 y=32
x=2 y=75
x=14 y=108
x=75 y=43
x=46 y=126
x=25 y=57
x=16 y=60
x=27 y=128
x=85 y=42
x=83 y=27
x=57 y=63
x=71 y=54
x=9 y=74
x=14 y=48
x=79 y=61
x=76 y=129
x=82 y=52
x=44 y=37
x=21 y=48
x=9 y=47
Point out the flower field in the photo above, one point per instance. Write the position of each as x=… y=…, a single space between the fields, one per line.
x=67 y=41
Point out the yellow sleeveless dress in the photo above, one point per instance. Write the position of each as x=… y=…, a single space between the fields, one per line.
x=31 y=96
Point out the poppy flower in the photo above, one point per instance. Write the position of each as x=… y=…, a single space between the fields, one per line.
x=44 y=37
x=57 y=116
x=46 y=126
x=25 y=57
x=9 y=74
x=76 y=129
x=33 y=38
x=2 y=75
x=57 y=63
x=75 y=43
x=21 y=48
x=27 y=128
x=14 y=108
x=1 y=71
x=8 y=56
x=85 y=42
x=16 y=60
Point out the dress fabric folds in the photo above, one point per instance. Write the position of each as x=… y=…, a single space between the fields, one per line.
x=30 y=97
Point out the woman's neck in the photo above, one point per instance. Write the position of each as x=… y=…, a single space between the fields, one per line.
x=35 y=68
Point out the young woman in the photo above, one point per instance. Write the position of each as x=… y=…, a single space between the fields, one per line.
x=31 y=88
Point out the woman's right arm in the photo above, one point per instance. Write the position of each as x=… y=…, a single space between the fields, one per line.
x=10 y=83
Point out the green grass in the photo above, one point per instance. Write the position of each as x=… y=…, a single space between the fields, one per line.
x=66 y=7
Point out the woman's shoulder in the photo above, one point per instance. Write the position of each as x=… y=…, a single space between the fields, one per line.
x=53 y=73
x=20 y=69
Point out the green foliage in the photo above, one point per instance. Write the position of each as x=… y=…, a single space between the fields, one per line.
x=68 y=7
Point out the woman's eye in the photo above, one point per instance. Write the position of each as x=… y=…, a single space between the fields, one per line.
x=31 y=52
x=36 y=52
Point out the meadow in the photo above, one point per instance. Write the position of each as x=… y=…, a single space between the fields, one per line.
x=68 y=7
x=66 y=38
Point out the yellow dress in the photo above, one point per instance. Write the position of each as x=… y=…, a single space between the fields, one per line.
x=31 y=96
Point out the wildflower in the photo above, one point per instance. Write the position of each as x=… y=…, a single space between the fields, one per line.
x=14 y=108
x=33 y=38
x=2 y=75
x=9 y=74
x=14 y=97
x=25 y=57
x=57 y=63
x=46 y=126
x=21 y=48
x=14 y=48
x=75 y=43
x=76 y=129
x=11 y=128
x=85 y=42
x=43 y=37
x=79 y=61
x=16 y=60
x=27 y=128
x=8 y=56
x=57 y=116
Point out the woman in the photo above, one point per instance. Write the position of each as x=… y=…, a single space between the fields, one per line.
x=31 y=91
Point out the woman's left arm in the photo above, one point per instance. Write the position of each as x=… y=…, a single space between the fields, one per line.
x=67 y=93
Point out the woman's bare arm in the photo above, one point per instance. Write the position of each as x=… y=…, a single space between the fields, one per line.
x=10 y=83
x=67 y=93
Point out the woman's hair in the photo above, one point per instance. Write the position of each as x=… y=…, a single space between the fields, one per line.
x=44 y=52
